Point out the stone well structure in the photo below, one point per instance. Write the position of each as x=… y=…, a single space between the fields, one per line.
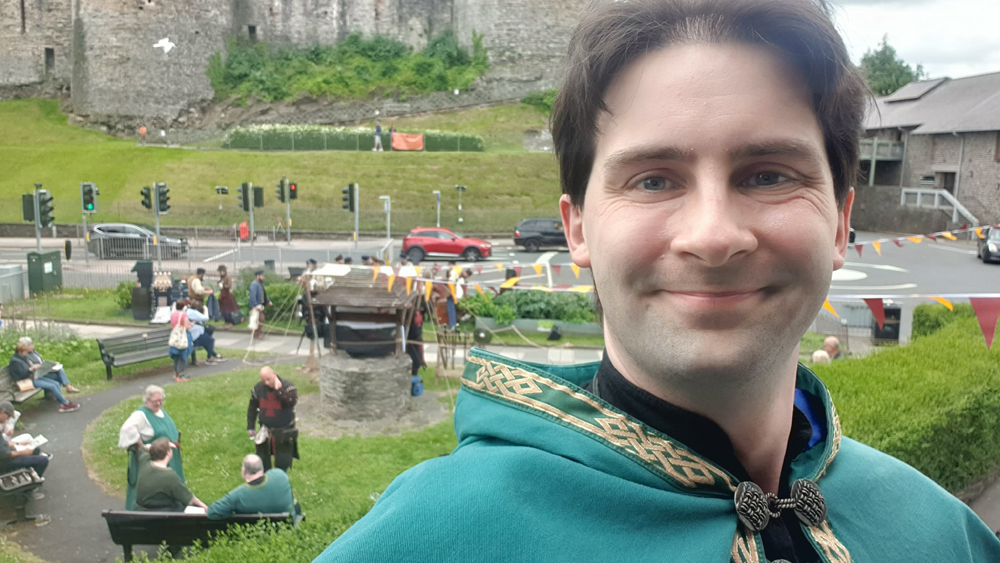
x=364 y=388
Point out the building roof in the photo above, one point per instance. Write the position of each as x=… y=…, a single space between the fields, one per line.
x=943 y=105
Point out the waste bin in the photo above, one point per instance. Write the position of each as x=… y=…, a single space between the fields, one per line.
x=142 y=303
x=889 y=333
x=44 y=272
x=144 y=271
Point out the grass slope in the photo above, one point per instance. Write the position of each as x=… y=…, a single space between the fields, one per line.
x=503 y=187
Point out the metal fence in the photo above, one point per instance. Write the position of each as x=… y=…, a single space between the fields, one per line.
x=333 y=140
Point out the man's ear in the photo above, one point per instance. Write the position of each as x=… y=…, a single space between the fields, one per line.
x=843 y=230
x=572 y=217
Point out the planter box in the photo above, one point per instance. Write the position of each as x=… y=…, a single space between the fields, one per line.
x=544 y=326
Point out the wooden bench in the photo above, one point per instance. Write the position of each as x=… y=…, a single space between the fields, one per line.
x=176 y=529
x=9 y=391
x=134 y=348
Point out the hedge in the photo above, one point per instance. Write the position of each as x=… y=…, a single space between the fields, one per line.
x=274 y=137
x=934 y=403
x=522 y=304
x=930 y=317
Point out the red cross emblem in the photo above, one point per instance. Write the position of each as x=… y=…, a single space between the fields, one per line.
x=270 y=404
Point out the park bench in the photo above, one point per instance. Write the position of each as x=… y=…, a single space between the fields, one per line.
x=176 y=529
x=134 y=348
x=18 y=485
x=9 y=391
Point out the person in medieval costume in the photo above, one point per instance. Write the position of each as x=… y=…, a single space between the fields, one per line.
x=272 y=403
x=707 y=150
x=148 y=423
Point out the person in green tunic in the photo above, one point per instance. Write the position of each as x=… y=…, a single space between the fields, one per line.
x=158 y=488
x=706 y=151
x=262 y=493
x=147 y=423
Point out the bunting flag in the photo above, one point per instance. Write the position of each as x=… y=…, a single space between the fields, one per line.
x=932 y=237
x=897 y=242
x=538 y=268
x=979 y=233
x=451 y=288
x=582 y=288
x=479 y=288
x=479 y=269
x=456 y=269
x=509 y=283
x=878 y=247
x=987 y=312
x=944 y=302
x=828 y=307
x=418 y=269
x=499 y=267
x=428 y=288
x=409 y=285
x=858 y=247
x=557 y=268
x=517 y=271
x=576 y=270
x=374 y=274
x=878 y=310
x=949 y=236
x=392 y=278
x=915 y=240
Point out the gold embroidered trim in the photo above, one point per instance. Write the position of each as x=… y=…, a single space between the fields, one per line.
x=837 y=435
x=744 y=547
x=666 y=457
x=833 y=550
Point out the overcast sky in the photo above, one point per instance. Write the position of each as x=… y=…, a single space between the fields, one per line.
x=953 y=38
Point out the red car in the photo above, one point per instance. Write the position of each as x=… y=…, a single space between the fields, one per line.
x=436 y=241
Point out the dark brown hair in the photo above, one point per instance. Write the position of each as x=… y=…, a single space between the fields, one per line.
x=611 y=35
x=159 y=448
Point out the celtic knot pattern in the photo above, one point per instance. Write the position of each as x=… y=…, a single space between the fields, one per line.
x=834 y=551
x=744 y=547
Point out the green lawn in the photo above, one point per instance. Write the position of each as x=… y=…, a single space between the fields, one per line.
x=503 y=187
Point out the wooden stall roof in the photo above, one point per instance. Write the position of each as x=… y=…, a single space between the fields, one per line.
x=357 y=289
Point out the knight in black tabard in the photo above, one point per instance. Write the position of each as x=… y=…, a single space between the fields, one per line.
x=272 y=403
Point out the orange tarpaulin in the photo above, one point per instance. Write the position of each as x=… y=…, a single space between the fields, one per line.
x=407 y=142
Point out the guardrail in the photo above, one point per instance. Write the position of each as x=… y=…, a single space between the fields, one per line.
x=881 y=149
x=940 y=199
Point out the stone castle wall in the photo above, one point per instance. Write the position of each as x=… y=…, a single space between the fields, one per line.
x=104 y=48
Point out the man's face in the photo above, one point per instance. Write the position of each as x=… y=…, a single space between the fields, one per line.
x=260 y=279
x=268 y=376
x=709 y=220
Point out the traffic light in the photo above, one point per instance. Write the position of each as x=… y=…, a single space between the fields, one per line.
x=88 y=195
x=243 y=193
x=162 y=198
x=293 y=190
x=45 y=209
x=280 y=192
x=258 y=196
x=349 y=203
x=147 y=197
x=28 y=207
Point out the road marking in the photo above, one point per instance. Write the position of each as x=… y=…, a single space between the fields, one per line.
x=217 y=256
x=544 y=259
x=848 y=275
x=876 y=287
x=959 y=250
x=877 y=267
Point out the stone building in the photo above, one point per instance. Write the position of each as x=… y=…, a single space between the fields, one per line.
x=939 y=134
x=107 y=49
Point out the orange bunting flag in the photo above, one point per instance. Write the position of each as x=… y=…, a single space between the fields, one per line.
x=511 y=282
x=828 y=307
x=944 y=302
x=428 y=289
x=409 y=285
x=979 y=233
x=915 y=240
x=949 y=236
x=374 y=274
x=392 y=279
x=987 y=311
x=456 y=269
x=499 y=267
x=451 y=288
x=878 y=247
x=582 y=288
x=576 y=270
x=418 y=269
x=480 y=290
x=538 y=268
x=878 y=310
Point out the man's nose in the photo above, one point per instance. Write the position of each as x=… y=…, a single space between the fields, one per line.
x=714 y=226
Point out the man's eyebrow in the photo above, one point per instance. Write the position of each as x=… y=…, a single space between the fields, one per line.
x=646 y=153
x=789 y=148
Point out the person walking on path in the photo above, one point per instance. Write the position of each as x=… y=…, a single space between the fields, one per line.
x=179 y=320
x=272 y=402
x=227 y=302
x=257 y=300
x=263 y=492
x=148 y=423
x=378 y=137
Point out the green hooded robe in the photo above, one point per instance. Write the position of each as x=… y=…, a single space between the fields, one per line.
x=547 y=472
x=162 y=428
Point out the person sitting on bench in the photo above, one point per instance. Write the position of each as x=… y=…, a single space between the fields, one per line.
x=56 y=375
x=158 y=488
x=21 y=369
x=11 y=458
x=263 y=493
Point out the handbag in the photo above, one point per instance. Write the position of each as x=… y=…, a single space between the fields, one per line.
x=25 y=384
x=178 y=337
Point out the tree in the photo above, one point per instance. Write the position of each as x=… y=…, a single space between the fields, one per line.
x=885 y=72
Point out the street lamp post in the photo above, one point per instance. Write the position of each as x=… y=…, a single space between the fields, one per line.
x=438 y=194
x=388 y=215
x=460 y=189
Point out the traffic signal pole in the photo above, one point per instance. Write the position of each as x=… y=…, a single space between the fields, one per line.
x=288 y=211
x=156 y=212
x=38 y=219
x=250 y=195
x=357 y=215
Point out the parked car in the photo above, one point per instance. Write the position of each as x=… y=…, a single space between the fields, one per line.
x=988 y=247
x=122 y=240
x=535 y=233
x=436 y=241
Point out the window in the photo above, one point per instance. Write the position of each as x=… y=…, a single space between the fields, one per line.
x=252 y=31
x=50 y=60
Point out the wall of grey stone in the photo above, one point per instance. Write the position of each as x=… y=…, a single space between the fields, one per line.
x=979 y=186
x=24 y=38
x=364 y=389
x=877 y=209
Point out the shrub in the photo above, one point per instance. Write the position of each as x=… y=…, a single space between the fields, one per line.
x=317 y=137
x=57 y=345
x=541 y=100
x=283 y=295
x=930 y=317
x=123 y=294
x=557 y=306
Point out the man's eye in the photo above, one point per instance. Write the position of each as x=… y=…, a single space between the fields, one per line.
x=766 y=179
x=654 y=184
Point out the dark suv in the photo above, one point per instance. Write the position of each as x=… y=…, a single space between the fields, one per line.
x=535 y=233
